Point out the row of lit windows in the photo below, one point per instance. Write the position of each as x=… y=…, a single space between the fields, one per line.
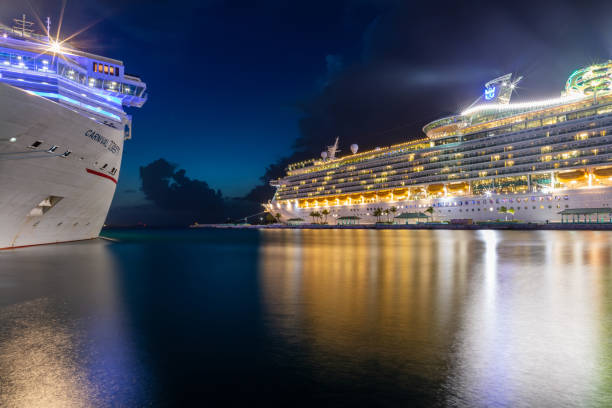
x=521 y=125
x=567 y=155
x=494 y=145
x=512 y=208
x=571 y=116
x=105 y=69
x=498 y=201
x=564 y=155
x=41 y=64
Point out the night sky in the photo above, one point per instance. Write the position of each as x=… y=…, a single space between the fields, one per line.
x=235 y=86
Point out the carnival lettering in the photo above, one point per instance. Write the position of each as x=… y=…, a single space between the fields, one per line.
x=104 y=141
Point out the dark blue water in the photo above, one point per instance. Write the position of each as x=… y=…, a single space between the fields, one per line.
x=304 y=318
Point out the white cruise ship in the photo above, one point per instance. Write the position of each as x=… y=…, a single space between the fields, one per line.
x=62 y=128
x=539 y=161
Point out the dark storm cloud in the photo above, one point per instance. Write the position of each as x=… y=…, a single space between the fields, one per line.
x=182 y=198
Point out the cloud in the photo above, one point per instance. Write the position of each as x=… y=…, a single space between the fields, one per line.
x=334 y=65
x=183 y=200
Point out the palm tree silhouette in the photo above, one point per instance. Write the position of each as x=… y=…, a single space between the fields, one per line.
x=378 y=213
x=393 y=210
x=430 y=211
x=314 y=215
x=325 y=213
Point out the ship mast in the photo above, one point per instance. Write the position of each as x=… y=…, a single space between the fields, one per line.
x=49 y=29
x=23 y=26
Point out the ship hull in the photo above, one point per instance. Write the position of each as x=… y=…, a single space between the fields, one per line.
x=534 y=207
x=44 y=196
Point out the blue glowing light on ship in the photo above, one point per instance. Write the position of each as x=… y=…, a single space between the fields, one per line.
x=93 y=85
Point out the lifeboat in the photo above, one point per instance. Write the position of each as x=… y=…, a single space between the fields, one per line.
x=572 y=175
x=435 y=188
x=463 y=186
x=603 y=172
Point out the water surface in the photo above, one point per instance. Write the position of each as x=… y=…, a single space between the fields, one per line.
x=310 y=317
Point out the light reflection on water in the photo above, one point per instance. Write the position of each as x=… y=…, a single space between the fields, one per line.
x=309 y=318
x=59 y=308
x=483 y=318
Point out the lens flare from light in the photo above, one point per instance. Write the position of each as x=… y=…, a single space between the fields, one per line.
x=55 y=47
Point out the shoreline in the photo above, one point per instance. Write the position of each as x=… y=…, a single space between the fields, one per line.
x=429 y=226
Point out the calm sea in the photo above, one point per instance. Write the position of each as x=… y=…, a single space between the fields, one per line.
x=309 y=318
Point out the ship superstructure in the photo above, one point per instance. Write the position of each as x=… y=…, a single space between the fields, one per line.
x=63 y=125
x=536 y=159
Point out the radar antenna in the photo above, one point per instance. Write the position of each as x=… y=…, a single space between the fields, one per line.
x=332 y=150
x=22 y=26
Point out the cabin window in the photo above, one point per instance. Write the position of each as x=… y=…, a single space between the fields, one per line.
x=36 y=144
x=103 y=167
x=112 y=70
x=95 y=66
x=52 y=148
x=106 y=69
x=117 y=71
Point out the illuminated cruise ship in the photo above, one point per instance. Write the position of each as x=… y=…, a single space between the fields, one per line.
x=62 y=128
x=540 y=161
